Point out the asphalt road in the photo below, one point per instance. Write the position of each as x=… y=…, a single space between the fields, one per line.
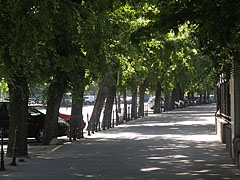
x=181 y=144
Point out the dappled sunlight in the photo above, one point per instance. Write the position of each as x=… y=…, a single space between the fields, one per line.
x=170 y=124
x=177 y=145
x=122 y=135
x=150 y=169
x=138 y=136
x=196 y=138
x=167 y=157
x=183 y=144
x=85 y=175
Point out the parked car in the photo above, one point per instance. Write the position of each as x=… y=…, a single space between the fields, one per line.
x=88 y=100
x=151 y=102
x=35 y=122
x=66 y=117
x=179 y=104
x=42 y=108
x=129 y=99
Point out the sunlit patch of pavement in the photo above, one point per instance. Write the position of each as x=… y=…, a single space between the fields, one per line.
x=180 y=144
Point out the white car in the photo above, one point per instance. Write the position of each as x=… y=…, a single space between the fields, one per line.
x=179 y=104
x=88 y=100
x=151 y=102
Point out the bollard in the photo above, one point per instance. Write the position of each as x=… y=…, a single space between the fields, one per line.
x=88 y=125
x=2 y=168
x=110 y=119
x=113 y=120
x=74 y=129
x=13 y=163
x=93 y=125
x=120 y=115
x=82 y=127
x=78 y=127
x=70 y=134
x=70 y=129
x=146 y=110
x=99 y=122
x=107 y=120
x=117 y=117
x=99 y=125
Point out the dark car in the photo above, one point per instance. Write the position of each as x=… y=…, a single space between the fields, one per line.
x=35 y=122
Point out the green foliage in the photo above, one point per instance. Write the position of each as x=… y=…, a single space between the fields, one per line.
x=3 y=88
x=174 y=42
x=217 y=26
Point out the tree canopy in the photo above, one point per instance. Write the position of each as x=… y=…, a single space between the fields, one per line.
x=181 y=45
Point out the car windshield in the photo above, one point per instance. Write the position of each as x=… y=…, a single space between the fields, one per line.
x=42 y=109
x=33 y=112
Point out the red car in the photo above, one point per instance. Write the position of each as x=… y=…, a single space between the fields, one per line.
x=42 y=108
x=66 y=117
x=35 y=121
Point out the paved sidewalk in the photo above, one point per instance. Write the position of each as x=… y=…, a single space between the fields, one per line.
x=180 y=144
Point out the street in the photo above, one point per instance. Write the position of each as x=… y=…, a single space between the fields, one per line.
x=180 y=144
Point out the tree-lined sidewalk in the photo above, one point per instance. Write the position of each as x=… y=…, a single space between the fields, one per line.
x=64 y=46
x=181 y=144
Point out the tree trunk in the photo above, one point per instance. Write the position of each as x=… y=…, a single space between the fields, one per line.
x=208 y=97
x=109 y=103
x=18 y=91
x=142 y=90
x=200 y=98
x=119 y=103
x=125 y=105
x=117 y=110
x=157 y=106
x=204 y=97
x=181 y=93
x=167 y=102
x=192 y=97
x=189 y=98
x=178 y=90
x=134 y=104
x=99 y=103
x=55 y=94
x=173 y=98
x=76 y=121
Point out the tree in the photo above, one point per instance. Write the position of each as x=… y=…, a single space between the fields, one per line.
x=18 y=39
x=63 y=19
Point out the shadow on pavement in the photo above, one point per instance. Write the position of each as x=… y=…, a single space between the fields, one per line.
x=181 y=144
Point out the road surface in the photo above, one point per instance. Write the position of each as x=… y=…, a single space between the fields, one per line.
x=181 y=144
